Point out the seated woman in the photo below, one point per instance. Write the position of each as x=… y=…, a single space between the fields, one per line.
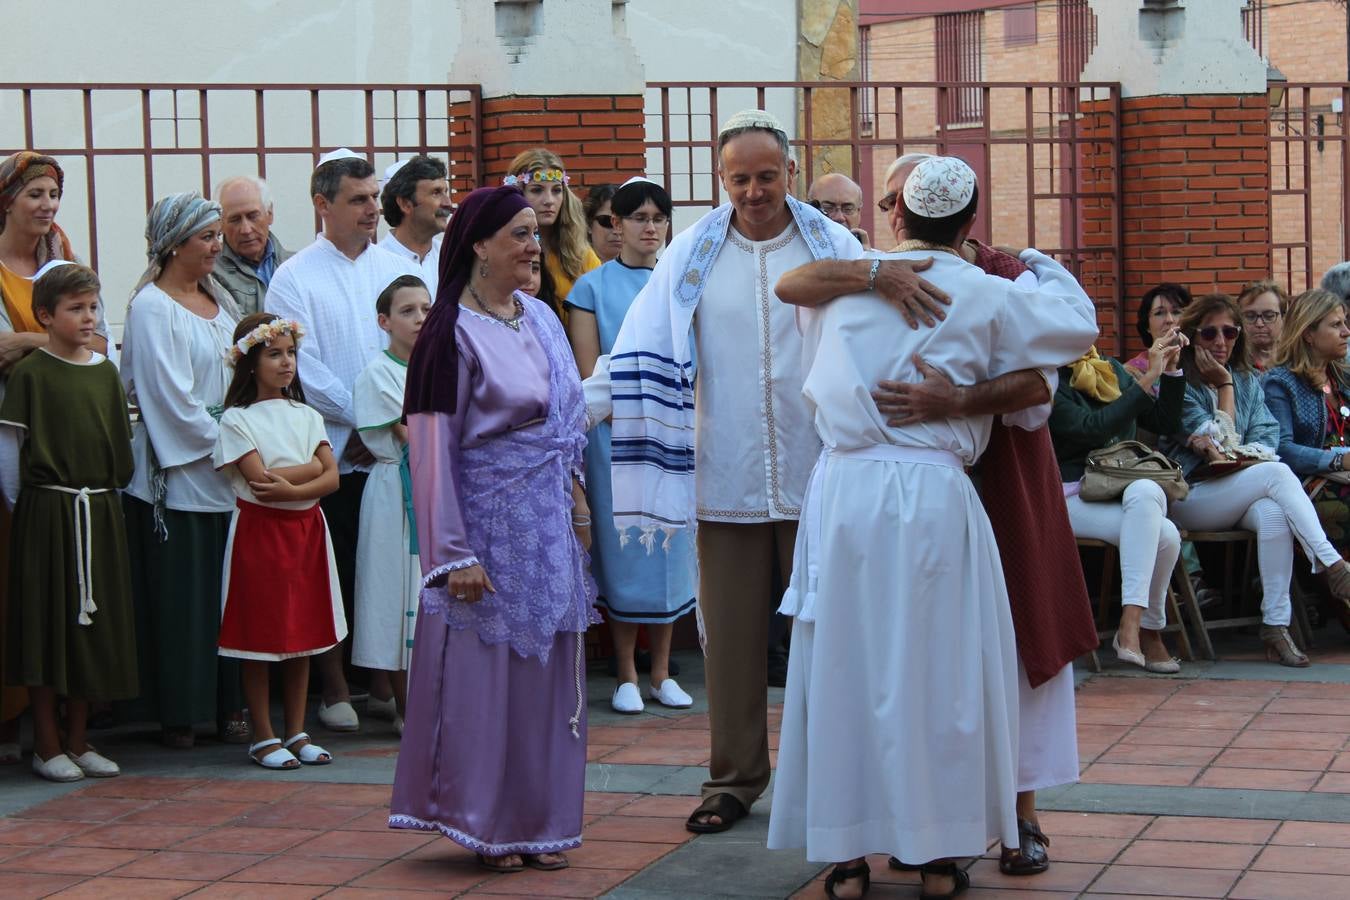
x=1308 y=394
x=1225 y=419
x=1097 y=404
x=1159 y=313
x=1263 y=305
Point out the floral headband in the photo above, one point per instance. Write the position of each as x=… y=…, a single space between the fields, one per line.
x=537 y=175
x=265 y=334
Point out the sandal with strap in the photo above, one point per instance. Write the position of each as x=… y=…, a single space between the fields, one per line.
x=536 y=861
x=280 y=758
x=951 y=869
x=492 y=865
x=724 y=806
x=1030 y=857
x=843 y=872
x=311 y=754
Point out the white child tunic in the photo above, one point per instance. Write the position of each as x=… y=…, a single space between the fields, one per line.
x=900 y=721
x=388 y=568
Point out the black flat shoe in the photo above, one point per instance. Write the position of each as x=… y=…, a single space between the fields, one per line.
x=1030 y=858
x=958 y=875
x=847 y=873
x=724 y=806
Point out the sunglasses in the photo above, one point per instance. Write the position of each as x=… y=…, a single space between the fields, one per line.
x=1210 y=332
x=887 y=203
x=605 y=221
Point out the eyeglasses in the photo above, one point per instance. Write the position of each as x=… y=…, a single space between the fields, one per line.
x=644 y=221
x=887 y=203
x=1210 y=332
x=829 y=209
x=1268 y=317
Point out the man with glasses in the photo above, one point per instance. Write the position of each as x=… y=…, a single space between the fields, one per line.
x=840 y=198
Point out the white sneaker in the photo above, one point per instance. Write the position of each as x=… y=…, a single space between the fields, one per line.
x=59 y=768
x=627 y=699
x=339 y=717
x=95 y=764
x=670 y=694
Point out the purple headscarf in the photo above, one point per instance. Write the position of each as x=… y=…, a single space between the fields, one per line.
x=433 y=371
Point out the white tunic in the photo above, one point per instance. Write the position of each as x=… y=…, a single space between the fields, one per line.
x=333 y=297
x=900 y=720
x=174 y=371
x=755 y=445
x=388 y=576
x=429 y=266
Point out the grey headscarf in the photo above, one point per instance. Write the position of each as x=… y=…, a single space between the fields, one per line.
x=172 y=220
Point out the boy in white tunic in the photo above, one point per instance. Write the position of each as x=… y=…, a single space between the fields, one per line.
x=895 y=558
x=388 y=568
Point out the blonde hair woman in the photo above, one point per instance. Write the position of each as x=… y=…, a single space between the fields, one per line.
x=563 y=235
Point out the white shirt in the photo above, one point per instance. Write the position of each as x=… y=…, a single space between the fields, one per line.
x=333 y=298
x=174 y=371
x=754 y=442
x=429 y=265
x=283 y=433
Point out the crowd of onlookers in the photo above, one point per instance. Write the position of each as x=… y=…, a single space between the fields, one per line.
x=1251 y=395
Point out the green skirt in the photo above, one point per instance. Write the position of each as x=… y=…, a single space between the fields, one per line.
x=177 y=587
x=46 y=645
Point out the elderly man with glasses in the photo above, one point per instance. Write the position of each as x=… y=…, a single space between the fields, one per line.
x=840 y=198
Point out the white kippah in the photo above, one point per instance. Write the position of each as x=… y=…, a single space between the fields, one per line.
x=391 y=170
x=751 y=118
x=638 y=179
x=939 y=187
x=49 y=265
x=339 y=153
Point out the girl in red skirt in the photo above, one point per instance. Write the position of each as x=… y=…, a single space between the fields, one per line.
x=281 y=600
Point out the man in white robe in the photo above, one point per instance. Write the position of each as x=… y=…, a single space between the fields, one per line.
x=713 y=290
x=900 y=721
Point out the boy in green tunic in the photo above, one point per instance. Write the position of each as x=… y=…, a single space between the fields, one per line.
x=65 y=450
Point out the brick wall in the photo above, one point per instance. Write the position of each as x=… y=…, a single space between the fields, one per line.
x=600 y=139
x=1195 y=187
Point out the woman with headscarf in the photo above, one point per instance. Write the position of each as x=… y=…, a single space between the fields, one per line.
x=494 y=747
x=179 y=328
x=30 y=196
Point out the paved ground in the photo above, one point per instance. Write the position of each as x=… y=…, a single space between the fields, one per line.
x=1229 y=781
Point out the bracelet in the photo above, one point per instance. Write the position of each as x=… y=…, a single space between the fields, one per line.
x=1224 y=385
x=581 y=520
x=872 y=274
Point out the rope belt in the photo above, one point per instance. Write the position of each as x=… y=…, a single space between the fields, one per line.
x=84 y=547
x=577 y=670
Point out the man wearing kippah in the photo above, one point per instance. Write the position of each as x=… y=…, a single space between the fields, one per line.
x=734 y=457
x=903 y=643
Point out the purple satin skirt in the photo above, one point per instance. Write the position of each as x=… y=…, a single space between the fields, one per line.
x=493 y=754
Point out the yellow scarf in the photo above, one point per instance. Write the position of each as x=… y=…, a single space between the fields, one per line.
x=1094 y=376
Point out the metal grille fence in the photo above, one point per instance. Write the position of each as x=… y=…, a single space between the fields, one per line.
x=124 y=145
x=1048 y=178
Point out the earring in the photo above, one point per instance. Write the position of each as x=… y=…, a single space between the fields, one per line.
x=483 y=269
x=174 y=253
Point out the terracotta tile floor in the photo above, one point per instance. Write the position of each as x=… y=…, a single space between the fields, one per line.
x=148 y=837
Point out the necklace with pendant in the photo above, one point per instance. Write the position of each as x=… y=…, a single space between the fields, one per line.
x=512 y=322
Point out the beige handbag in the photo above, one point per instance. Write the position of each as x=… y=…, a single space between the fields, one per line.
x=1111 y=469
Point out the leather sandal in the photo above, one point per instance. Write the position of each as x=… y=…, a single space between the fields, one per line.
x=895 y=863
x=724 y=806
x=311 y=754
x=278 y=759
x=492 y=865
x=1030 y=857
x=843 y=872
x=958 y=875
x=1280 y=647
x=535 y=861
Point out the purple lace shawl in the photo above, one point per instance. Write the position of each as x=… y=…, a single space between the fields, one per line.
x=516 y=494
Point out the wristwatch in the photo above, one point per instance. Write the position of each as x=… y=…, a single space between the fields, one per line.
x=872 y=275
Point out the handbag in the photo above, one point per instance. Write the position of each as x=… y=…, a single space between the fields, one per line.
x=1110 y=470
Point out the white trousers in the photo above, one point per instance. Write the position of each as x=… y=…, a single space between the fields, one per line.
x=1268 y=500
x=1148 y=544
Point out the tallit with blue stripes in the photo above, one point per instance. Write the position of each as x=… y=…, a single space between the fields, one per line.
x=652 y=377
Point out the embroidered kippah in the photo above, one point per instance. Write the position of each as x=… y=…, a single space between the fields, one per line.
x=752 y=118
x=939 y=187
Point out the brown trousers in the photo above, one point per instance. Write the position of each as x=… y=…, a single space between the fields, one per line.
x=736 y=600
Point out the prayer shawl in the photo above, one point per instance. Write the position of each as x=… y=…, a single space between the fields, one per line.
x=652 y=376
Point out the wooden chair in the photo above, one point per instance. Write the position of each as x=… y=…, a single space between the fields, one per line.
x=1240 y=601
x=1106 y=594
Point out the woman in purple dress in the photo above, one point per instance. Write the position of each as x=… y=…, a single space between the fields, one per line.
x=494 y=750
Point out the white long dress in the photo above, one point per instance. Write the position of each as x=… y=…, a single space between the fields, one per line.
x=900 y=721
x=388 y=569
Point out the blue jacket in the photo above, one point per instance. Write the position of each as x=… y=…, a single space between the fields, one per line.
x=1254 y=423
x=1302 y=414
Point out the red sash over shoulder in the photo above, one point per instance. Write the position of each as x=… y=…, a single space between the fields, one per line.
x=1023 y=497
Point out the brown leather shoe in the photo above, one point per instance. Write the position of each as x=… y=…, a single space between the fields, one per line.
x=1030 y=858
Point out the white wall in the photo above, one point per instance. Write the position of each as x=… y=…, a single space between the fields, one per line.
x=301 y=42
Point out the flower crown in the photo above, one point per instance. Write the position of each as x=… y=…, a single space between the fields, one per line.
x=264 y=334
x=539 y=175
